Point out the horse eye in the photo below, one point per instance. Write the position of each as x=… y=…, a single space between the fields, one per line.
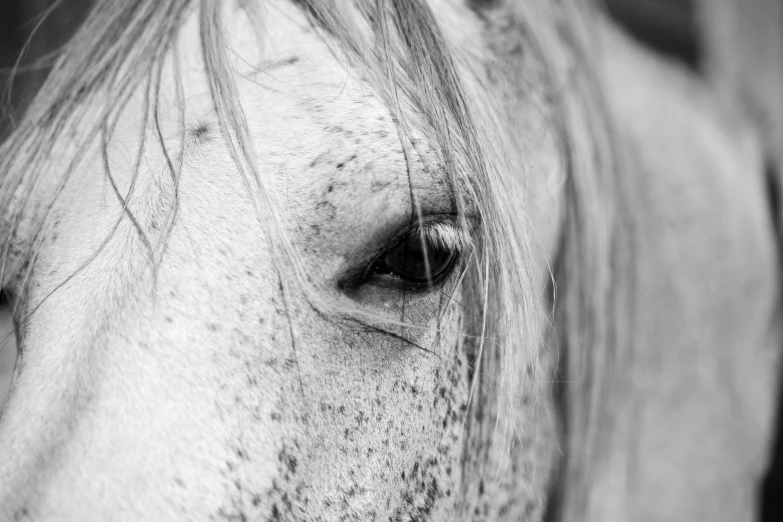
x=417 y=261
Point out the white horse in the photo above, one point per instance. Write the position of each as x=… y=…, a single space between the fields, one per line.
x=291 y=261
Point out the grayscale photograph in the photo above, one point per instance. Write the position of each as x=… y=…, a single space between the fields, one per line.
x=391 y=260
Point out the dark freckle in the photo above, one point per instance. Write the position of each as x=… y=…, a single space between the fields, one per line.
x=343 y=163
x=256 y=500
x=330 y=188
x=178 y=481
x=292 y=463
x=213 y=327
x=317 y=160
x=326 y=208
x=200 y=132
x=168 y=319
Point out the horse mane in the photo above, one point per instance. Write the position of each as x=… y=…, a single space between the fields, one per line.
x=121 y=46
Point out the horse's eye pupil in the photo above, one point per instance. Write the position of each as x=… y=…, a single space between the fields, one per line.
x=411 y=258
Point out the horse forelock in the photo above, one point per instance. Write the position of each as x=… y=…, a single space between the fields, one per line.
x=428 y=85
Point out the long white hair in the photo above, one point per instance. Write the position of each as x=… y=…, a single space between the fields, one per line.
x=399 y=46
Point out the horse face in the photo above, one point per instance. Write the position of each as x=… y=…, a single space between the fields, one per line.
x=213 y=386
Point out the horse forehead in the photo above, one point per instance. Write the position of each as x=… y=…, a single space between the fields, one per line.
x=287 y=57
x=321 y=129
x=312 y=105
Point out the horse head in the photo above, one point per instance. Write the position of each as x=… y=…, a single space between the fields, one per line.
x=287 y=261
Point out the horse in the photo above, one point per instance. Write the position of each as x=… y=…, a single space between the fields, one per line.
x=411 y=260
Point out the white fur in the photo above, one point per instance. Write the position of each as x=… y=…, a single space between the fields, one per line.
x=213 y=387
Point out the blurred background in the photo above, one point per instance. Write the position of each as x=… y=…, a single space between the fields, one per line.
x=668 y=27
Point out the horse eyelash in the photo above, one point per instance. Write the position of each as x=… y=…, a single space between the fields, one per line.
x=446 y=235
